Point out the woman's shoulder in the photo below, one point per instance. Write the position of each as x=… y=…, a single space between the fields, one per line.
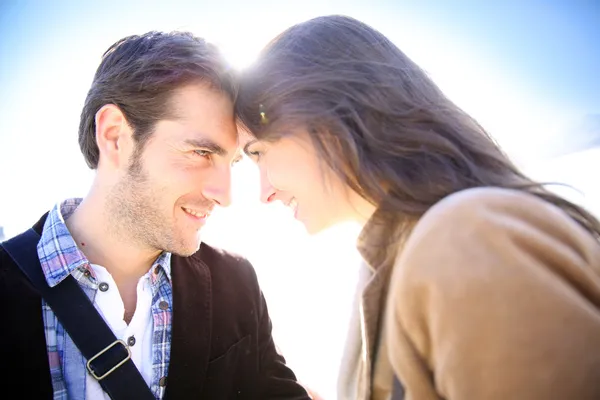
x=490 y=208
x=480 y=200
x=484 y=271
x=495 y=223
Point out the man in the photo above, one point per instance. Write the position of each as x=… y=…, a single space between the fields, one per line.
x=158 y=128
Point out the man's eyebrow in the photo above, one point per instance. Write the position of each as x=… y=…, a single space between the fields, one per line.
x=208 y=145
x=250 y=143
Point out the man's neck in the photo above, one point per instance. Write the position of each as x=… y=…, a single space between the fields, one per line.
x=106 y=245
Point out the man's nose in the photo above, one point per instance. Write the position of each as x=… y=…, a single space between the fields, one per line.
x=218 y=189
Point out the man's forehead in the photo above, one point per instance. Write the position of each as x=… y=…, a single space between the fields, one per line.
x=217 y=129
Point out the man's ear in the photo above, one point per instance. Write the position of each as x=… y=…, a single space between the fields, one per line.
x=113 y=136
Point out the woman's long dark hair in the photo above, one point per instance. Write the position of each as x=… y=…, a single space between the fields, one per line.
x=377 y=119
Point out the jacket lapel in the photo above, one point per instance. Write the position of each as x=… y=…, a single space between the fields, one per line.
x=192 y=325
x=371 y=313
x=378 y=243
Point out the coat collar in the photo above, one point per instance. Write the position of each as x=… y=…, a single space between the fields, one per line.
x=379 y=244
x=191 y=337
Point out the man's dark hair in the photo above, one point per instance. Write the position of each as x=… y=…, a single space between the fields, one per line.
x=139 y=75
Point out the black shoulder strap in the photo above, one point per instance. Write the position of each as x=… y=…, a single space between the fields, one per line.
x=109 y=359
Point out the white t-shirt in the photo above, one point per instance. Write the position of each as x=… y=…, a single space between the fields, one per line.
x=111 y=307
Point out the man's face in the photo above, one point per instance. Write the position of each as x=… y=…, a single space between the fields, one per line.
x=183 y=171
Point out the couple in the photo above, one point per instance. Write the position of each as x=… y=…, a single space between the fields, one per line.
x=478 y=283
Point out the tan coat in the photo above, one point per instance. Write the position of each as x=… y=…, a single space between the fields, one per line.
x=495 y=295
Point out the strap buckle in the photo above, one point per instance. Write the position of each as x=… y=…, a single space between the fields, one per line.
x=107 y=348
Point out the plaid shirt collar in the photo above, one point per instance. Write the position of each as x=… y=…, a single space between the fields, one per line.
x=58 y=252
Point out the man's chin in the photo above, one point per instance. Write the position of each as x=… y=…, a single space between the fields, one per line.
x=187 y=249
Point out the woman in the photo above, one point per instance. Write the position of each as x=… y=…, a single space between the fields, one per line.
x=484 y=285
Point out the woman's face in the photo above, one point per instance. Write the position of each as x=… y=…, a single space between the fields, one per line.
x=291 y=171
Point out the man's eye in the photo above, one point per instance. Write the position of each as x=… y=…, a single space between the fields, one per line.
x=202 y=153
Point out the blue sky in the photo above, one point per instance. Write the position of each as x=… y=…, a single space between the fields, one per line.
x=550 y=46
x=547 y=50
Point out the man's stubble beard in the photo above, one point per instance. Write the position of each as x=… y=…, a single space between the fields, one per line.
x=133 y=213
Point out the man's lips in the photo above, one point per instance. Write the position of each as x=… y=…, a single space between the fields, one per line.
x=196 y=213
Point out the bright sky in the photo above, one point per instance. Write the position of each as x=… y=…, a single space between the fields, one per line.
x=528 y=73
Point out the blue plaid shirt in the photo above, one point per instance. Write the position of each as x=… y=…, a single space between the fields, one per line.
x=60 y=257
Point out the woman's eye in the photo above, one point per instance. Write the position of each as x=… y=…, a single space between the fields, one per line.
x=255 y=154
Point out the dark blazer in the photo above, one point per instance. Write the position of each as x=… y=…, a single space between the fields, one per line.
x=221 y=344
